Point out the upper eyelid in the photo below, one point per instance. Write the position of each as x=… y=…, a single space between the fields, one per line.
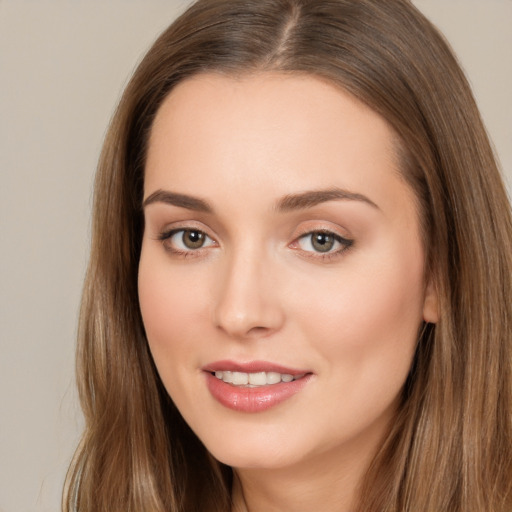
x=341 y=239
x=320 y=227
x=323 y=229
x=168 y=233
x=185 y=226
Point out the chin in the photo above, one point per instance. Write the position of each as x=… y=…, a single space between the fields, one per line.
x=256 y=452
x=253 y=458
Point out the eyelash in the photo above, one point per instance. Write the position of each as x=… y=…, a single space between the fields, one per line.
x=166 y=236
x=345 y=244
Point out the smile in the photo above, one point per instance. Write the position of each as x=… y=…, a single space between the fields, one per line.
x=256 y=379
x=253 y=387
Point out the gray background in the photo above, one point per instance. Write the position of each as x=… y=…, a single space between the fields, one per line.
x=63 y=65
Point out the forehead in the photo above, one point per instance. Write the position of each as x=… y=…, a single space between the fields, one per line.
x=268 y=100
x=269 y=129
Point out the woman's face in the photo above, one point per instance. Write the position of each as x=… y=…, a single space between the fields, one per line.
x=281 y=279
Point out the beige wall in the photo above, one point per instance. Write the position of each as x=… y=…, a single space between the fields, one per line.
x=62 y=67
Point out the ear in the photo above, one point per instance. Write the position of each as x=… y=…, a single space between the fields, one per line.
x=431 y=303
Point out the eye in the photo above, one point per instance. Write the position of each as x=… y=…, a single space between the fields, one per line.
x=186 y=240
x=323 y=242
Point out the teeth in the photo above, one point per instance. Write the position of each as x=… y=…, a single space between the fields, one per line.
x=273 y=378
x=226 y=377
x=240 y=379
x=255 y=379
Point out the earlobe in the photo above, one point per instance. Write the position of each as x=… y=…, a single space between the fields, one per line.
x=431 y=303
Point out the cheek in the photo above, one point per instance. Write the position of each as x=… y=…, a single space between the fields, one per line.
x=170 y=307
x=369 y=315
x=159 y=303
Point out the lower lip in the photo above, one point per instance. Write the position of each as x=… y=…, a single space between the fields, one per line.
x=257 y=399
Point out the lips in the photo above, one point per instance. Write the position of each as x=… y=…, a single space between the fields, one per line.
x=255 y=386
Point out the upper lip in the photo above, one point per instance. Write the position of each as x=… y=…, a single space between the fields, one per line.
x=252 y=367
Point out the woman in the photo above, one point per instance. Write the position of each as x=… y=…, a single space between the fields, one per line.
x=299 y=289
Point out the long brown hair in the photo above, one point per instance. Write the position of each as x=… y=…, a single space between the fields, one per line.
x=450 y=447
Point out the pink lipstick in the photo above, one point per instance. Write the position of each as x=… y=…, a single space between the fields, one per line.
x=255 y=386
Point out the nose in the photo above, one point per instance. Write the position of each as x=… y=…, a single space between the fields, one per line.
x=247 y=302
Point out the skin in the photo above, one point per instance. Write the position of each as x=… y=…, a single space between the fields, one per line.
x=258 y=289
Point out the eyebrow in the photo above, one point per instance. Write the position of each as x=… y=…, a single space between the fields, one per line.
x=291 y=202
x=312 y=198
x=180 y=200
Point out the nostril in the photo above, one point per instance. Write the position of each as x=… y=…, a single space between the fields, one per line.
x=259 y=329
